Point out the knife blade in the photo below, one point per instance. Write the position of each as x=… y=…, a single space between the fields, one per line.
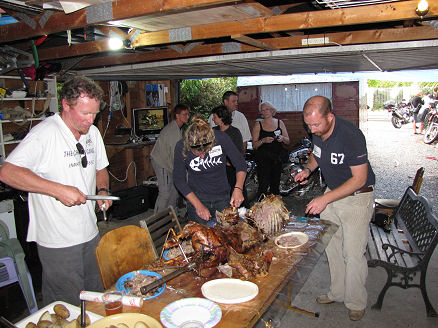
x=102 y=197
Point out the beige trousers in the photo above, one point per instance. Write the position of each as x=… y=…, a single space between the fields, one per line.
x=346 y=251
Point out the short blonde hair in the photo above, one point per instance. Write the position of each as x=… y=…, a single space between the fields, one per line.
x=269 y=106
x=199 y=134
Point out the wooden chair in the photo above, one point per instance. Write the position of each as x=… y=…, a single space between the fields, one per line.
x=159 y=224
x=123 y=250
x=389 y=205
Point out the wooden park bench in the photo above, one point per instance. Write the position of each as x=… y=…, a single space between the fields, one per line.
x=407 y=248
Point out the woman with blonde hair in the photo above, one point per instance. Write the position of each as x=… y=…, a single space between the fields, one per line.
x=268 y=138
x=200 y=171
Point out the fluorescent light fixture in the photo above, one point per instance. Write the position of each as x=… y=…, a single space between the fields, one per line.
x=115 y=43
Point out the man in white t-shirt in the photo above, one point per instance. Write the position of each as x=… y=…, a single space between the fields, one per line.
x=239 y=120
x=59 y=162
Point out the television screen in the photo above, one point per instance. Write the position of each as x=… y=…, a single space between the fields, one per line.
x=149 y=121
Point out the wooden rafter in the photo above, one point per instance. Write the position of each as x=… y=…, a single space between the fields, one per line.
x=297 y=21
x=121 y=9
x=252 y=42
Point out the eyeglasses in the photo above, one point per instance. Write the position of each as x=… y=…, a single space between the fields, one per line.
x=81 y=151
x=201 y=145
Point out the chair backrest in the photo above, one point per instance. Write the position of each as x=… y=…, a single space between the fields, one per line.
x=418 y=180
x=159 y=224
x=123 y=250
x=414 y=215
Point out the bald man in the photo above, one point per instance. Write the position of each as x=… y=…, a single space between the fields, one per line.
x=341 y=153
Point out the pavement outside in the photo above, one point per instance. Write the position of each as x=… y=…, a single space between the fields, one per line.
x=395 y=155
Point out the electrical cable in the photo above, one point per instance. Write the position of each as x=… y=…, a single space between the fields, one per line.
x=107 y=123
x=126 y=175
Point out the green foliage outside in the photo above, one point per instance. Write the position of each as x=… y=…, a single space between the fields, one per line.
x=379 y=99
x=203 y=95
x=387 y=84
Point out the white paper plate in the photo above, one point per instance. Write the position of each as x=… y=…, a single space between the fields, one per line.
x=129 y=319
x=74 y=313
x=229 y=291
x=301 y=236
x=194 y=308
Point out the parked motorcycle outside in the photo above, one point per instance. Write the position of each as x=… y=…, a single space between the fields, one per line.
x=297 y=161
x=389 y=105
x=431 y=124
x=402 y=114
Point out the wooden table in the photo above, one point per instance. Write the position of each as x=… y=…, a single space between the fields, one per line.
x=284 y=266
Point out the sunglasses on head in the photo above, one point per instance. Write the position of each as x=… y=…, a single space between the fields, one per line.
x=201 y=145
x=81 y=151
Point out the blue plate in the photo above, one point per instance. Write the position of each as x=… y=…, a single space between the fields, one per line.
x=165 y=255
x=120 y=284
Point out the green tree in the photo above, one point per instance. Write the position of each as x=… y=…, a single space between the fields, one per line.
x=203 y=95
x=387 y=84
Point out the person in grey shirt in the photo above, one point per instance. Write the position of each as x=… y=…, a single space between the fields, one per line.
x=162 y=157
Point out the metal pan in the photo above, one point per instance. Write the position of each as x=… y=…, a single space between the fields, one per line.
x=102 y=197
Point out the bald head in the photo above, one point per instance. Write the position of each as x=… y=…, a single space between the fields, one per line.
x=319 y=104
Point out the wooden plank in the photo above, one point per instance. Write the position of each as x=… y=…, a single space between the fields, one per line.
x=399 y=243
x=377 y=238
x=246 y=314
x=372 y=252
x=398 y=258
x=200 y=16
x=121 y=9
x=253 y=42
x=304 y=20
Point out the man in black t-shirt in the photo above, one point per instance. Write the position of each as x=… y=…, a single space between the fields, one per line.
x=417 y=102
x=340 y=151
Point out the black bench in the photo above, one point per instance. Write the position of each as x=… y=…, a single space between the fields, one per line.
x=407 y=249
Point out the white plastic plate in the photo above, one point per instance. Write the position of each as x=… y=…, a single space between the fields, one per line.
x=300 y=236
x=229 y=291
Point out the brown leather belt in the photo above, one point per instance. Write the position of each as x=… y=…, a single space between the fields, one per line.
x=366 y=189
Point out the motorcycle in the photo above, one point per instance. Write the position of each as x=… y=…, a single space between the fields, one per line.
x=431 y=124
x=389 y=105
x=402 y=114
x=297 y=161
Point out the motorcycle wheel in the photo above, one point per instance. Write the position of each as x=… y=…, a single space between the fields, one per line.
x=287 y=182
x=396 y=122
x=427 y=121
x=431 y=133
x=251 y=181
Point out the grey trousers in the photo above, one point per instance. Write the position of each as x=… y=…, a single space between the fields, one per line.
x=346 y=250
x=167 y=193
x=69 y=270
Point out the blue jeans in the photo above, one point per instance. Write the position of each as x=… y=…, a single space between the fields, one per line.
x=212 y=205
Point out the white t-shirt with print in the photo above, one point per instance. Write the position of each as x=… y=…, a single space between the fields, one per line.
x=49 y=150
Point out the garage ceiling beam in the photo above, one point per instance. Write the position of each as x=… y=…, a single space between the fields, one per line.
x=253 y=42
x=121 y=9
x=341 y=38
x=404 y=10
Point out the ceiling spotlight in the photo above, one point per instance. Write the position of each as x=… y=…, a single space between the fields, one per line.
x=422 y=8
x=115 y=43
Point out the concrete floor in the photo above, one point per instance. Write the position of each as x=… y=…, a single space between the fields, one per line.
x=401 y=308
